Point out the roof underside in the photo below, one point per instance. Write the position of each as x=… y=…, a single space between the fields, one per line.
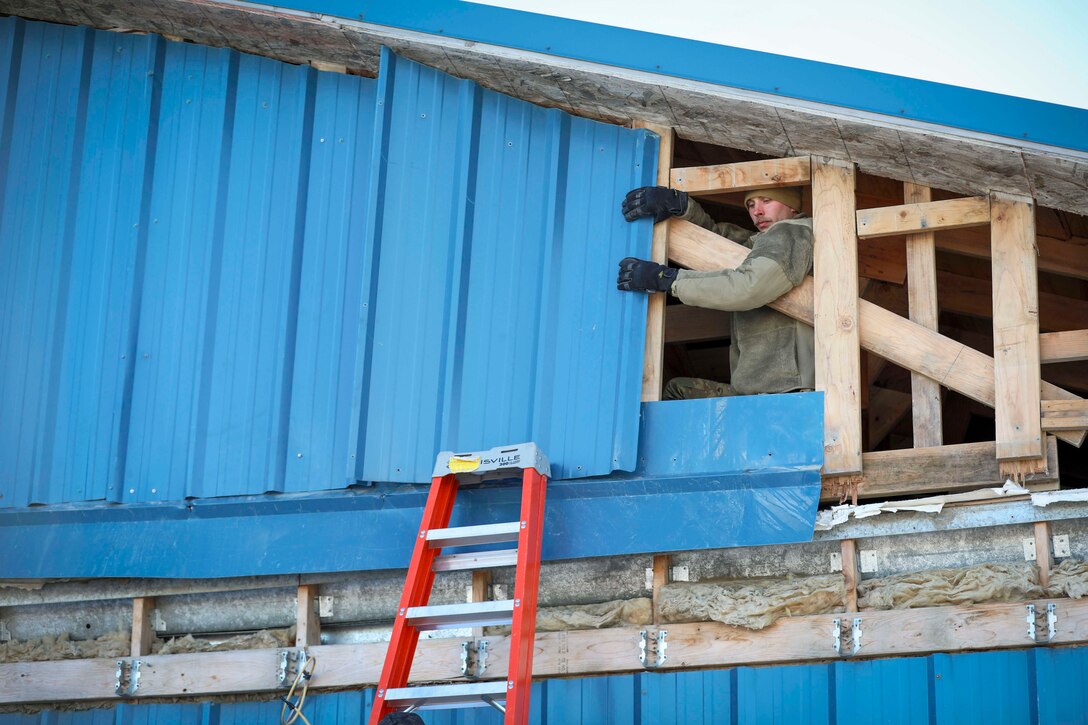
x=926 y=154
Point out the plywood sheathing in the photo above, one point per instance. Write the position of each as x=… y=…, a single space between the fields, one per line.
x=882 y=145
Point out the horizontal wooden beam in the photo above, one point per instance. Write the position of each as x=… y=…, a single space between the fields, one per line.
x=926 y=216
x=743 y=176
x=894 y=338
x=974 y=296
x=1055 y=255
x=940 y=469
x=1069 y=346
x=887 y=633
x=1064 y=415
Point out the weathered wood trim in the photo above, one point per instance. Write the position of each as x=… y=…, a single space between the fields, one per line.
x=589 y=652
x=654 y=355
x=742 y=176
x=835 y=313
x=925 y=216
x=885 y=333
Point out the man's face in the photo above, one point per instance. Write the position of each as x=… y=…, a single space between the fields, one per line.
x=765 y=212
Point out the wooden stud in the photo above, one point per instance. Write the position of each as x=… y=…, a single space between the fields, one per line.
x=887 y=633
x=923 y=216
x=898 y=340
x=943 y=469
x=1016 y=329
x=481 y=592
x=835 y=311
x=653 y=358
x=743 y=176
x=922 y=296
x=307 y=623
x=662 y=562
x=143 y=628
x=1070 y=346
x=850 y=572
x=1043 y=558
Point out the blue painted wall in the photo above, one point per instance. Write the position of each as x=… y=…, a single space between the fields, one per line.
x=223 y=275
x=1037 y=686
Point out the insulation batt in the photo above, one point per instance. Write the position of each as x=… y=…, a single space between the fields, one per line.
x=937 y=587
x=617 y=613
x=1069 y=579
x=753 y=605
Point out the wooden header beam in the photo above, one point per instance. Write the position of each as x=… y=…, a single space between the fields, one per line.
x=928 y=216
x=885 y=333
x=586 y=652
x=742 y=176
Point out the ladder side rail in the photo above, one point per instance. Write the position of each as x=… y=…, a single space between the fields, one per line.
x=417 y=592
x=526 y=586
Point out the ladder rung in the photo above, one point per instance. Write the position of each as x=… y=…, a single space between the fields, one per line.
x=476 y=560
x=432 y=697
x=472 y=614
x=469 y=535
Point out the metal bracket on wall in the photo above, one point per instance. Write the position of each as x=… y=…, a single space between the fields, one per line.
x=290 y=666
x=655 y=645
x=1051 y=623
x=127 y=678
x=855 y=635
x=474 y=658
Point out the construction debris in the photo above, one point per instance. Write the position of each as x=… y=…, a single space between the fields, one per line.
x=753 y=605
x=939 y=587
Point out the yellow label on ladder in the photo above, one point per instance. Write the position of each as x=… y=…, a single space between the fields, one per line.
x=464 y=465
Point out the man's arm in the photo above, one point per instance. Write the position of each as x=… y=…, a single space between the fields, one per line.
x=695 y=214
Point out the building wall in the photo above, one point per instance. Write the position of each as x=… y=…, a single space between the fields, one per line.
x=226 y=275
x=1037 y=686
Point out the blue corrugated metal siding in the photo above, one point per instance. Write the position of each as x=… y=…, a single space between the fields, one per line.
x=224 y=275
x=1038 y=687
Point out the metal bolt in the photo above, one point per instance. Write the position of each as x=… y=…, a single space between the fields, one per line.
x=298 y=455
x=154 y=490
x=322 y=140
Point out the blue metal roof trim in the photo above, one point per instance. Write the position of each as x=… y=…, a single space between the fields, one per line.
x=762 y=487
x=775 y=75
x=494 y=316
x=198 y=301
x=858 y=692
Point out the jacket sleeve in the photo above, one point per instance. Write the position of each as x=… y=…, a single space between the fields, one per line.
x=696 y=215
x=779 y=261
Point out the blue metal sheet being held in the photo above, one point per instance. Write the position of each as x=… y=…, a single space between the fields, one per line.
x=222 y=275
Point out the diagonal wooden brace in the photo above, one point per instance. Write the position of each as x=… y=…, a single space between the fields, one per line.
x=907 y=344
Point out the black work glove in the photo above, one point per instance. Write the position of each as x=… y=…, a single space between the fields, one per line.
x=657 y=201
x=637 y=275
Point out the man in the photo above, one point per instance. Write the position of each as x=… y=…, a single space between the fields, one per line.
x=769 y=352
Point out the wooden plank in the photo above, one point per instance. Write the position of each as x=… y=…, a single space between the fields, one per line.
x=662 y=562
x=850 y=572
x=743 y=176
x=885 y=333
x=838 y=350
x=685 y=323
x=1064 y=415
x=923 y=216
x=143 y=629
x=654 y=352
x=481 y=592
x=1016 y=328
x=1043 y=558
x=1070 y=346
x=704 y=644
x=922 y=299
x=960 y=467
x=307 y=624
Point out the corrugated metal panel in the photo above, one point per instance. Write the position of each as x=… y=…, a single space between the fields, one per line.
x=496 y=239
x=991 y=687
x=188 y=256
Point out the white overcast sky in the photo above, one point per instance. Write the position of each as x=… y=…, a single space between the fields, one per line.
x=1036 y=50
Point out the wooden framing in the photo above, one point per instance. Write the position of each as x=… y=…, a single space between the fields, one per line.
x=587 y=652
x=1064 y=415
x=743 y=176
x=885 y=333
x=1043 y=558
x=662 y=562
x=1057 y=347
x=850 y=572
x=960 y=467
x=922 y=301
x=653 y=359
x=307 y=623
x=923 y=216
x=1016 y=329
x=835 y=313
x=143 y=629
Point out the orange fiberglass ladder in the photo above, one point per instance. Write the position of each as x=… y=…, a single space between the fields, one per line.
x=510 y=695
